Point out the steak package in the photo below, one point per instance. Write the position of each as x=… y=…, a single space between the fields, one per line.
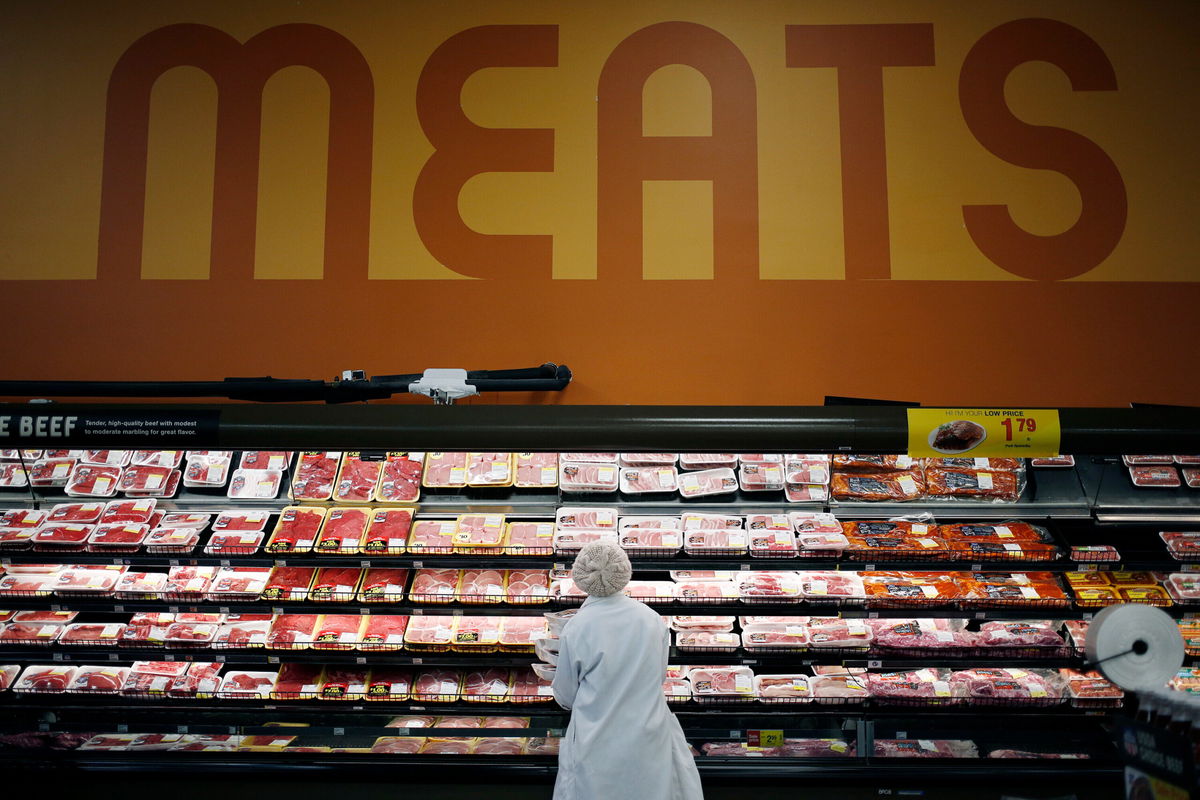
x=383 y=632
x=536 y=470
x=432 y=536
x=255 y=484
x=530 y=538
x=388 y=531
x=316 y=474
x=342 y=530
x=289 y=584
x=383 y=585
x=400 y=478
x=445 y=470
x=649 y=480
x=293 y=631
x=296 y=530
x=357 y=478
x=490 y=469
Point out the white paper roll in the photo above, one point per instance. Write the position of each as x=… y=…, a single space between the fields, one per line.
x=1137 y=647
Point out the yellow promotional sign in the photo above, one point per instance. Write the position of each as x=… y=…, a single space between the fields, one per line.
x=1014 y=432
x=764 y=738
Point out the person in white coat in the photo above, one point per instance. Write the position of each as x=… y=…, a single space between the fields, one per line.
x=623 y=742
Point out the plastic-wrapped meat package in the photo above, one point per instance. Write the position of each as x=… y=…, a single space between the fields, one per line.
x=53 y=617
x=398 y=745
x=1191 y=476
x=383 y=585
x=157 y=458
x=572 y=539
x=66 y=537
x=499 y=746
x=239 y=583
x=815 y=748
x=293 y=631
x=921 y=635
x=343 y=530
x=519 y=633
x=1024 y=634
x=289 y=584
x=16 y=538
x=15 y=474
x=715 y=542
x=918 y=687
x=191 y=634
x=430 y=632
x=389 y=683
x=706 y=591
x=338 y=632
x=999 y=589
x=898 y=589
x=434 y=585
x=8 y=674
x=481 y=586
x=866 y=463
x=383 y=632
x=1131 y=461
x=761 y=477
x=653 y=540
x=790 y=688
x=529 y=538
x=536 y=470
x=489 y=469
x=511 y=723
x=677 y=690
x=357 y=479
x=838 y=688
x=721 y=681
x=242 y=685
x=664 y=522
x=878 y=486
x=479 y=534
x=1090 y=690
x=1184 y=587
x=296 y=530
x=445 y=471
x=299 y=682
x=45 y=679
x=769 y=587
x=81 y=581
x=708 y=482
x=437 y=686
x=648 y=480
x=93 y=634
x=242 y=635
x=171 y=540
x=243 y=521
x=565 y=591
x=1004 y=486
x=838 y=633
x=22 y=518
x=99 y=680
x=111 y=458
x=31 y=584
x=201 y=680
x=345 y=683
x=807 y=472
x=767 y=637
x=255 y=484
x=30 y=633
x=388 y=531
x=486 y=686
x=581 y=477
x=51 y=471
x=234 y=543
x=993 y=464
x=316 y=473
x=146 y=479
x=708 y=642
x=400 y=478
x=702 y=622
x=432 y=536
x=477 y=634
x=541 y=747
x=572 y=517
x=707 y=461
x=651 y=591
x=889 y=547
x=1009 y=686
x=266 y=459
x=1163 y=477
x=209 y=470
x=79 y=513
x=589 y=458
x=119 y=538
x=772 y=543
x=648 y=459
x=412 y=721
x=447 y=746
x=335 y=584
x=153 y=677
x=146 y=630
x=1181 y=544
x=925 y=748
x=189 y=583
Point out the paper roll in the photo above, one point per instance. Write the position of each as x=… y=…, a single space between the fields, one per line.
x=1137 y=647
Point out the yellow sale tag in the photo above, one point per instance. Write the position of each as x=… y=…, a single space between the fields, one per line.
x=1013 y=432
x=760 y=738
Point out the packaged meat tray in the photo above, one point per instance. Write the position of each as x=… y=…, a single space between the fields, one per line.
x=1184 y=587
x=537 y=470
x=437 y=686
x=357 y=478
x=707 y=642
x=702 y=622
x=806 y=493
x=1055 y=461
x=877 y=486
x=498 y=746
x=651 y=591
x=445 y=471
x=838 y=689
x=728 y=682
x=1132 y=461
x=527 y=587
x=530 y=538
x=266 y=459
x=430 y=633
x=234 y=543
x=1181 y=545
x=335 y=584
x=999 y=589
x=289 y=584
x=344 y=683
x=1003 y=532
x=8 y=674
x=146 y=479
x=822 y=544
x=53 y=617
x=978 y=483
x=488 y=685
x=649 y=480
x=814 y=522
x=398 y=745
x=708 y=483
x=34 y=584
x=774 y=637
x=389 y=683
x=293 y=631
x=692 y=522
x=790 y=688
x=342 y=530
x=651 y=541
x=383 y=632
x=588 y=478
x=831 y=586
x=243 y=685
x=171 y=540
x=706 y=591
x=1023 y=638
x=1014 y=551
x=79 y=513
x=1189 y=460
x=490 y=469
x=255 y=484
x=1009 y=687
x=298 y=682
x=63 y=537
x=432 y=585
x=400 y=478
x=432 y=536
x=1191 y=476
x=207 y=471
x=762 y=477
x=800 y=472
x=118 y=538
x=16 y=538
x=111 y=458
x=296 y=531
x=925 y=748
x=518 y=634
x=242 y=634
x=1154 y=477
x=44 y=679
x=866 y=463
x=202 y=680
x=98 y=680
x=47 y=472
x=528 y=687
x=769 y=587
x=1095 y=597
x=896 y=547
x=573 y=539
x=30 y=633
x=772 y=543
x=84 y=582
x=157 y=458
x=923 y=687
x=15 y=474
x=707 y=461
x=239 y=583
x=716 y=542
x=316 y=474
x=189 y=583
x=479 y=534
x=1090 y=690
x=899 y=589
x=589 y=458
x=383 y=585
x=24 y=518
x=388 y=531
x=650 y=459
x=990 y=464
x=239 y=522
x=1148 y=595
x=481 y=586
x=194 y=634
x=826 y=633
x=572 y=517
x=339 y=632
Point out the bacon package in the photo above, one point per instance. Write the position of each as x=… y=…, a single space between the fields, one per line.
x=445 y=470
x=383 y=585
x=316 y=474
x=383 y=632
x=537 y=470
x=432 y=536
x=400 y=478
x=296 y=530
x=878 y=486
x=357 y=478
x=289 y=584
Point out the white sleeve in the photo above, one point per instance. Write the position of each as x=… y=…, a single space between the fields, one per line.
x=666 y=651
x=566 y=676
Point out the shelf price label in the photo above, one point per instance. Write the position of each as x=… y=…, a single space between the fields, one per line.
x=983 y=432
x=764 y=738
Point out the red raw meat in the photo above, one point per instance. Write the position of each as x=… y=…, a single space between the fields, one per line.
x=76 y=512
x=296 y=530
x=158 y=458
x=292 y=631
x=37 y=584
x=99 y=680
x=63 y=535
x=234 y=543
x=1154 y=476
x=289 y=584
x=239 y=583
x=343 y=530
x=210 y=470
x=297 y=682
x=81 y=581
x=112 y=458
x=22 y=518
x=145 y=479
x=266 y=459
x=172 y=540
x=388 y=531
x=357 y=479
x=51 y=471
x=335 y=584
x=338 y=632
x=247 y=684
x=45 y=678
x=184 y=583
x=920 y=634
x=258 y=484
x=400 y=481
x=93 y=634
x=315 y=476
x=14 y=474
x=241 y=521
x=242 y=634
x=344 y=683
x=383 y=585
x=384 y=632
x=120 y=538
x=926 y=685
x=30 y=633
x=389 y=683
x=925 y=748
x=201 y=677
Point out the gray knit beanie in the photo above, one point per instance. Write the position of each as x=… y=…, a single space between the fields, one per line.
x=601 y=569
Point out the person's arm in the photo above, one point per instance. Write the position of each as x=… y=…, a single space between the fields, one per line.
x=566 y=675
x=666 y=651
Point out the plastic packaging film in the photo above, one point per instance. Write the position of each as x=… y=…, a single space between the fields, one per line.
x=1137 y=647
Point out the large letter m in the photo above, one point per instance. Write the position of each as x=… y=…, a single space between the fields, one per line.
x=240 y=72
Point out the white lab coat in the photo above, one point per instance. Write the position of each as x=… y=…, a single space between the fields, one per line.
x=623 y=742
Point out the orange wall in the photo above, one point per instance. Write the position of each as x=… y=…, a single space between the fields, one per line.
x=687 y=202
